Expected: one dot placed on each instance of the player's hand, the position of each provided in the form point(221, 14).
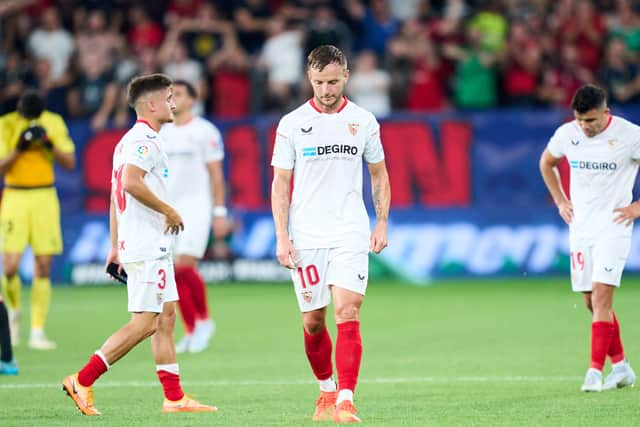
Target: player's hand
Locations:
point(113, 258)
point(378, 238)
point(173, 222)
point(628, 214)
point(285, 253)
point(565, 209)
point(221, 227)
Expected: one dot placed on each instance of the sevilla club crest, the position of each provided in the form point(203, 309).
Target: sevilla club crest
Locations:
point(307, 296)
point(353, 128)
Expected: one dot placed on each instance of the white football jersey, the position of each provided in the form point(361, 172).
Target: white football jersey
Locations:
point(603, 171)
point(325, 152)
point(190, 147)
point(141, 233)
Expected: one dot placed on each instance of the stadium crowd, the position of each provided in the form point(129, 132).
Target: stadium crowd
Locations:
point(247, 56)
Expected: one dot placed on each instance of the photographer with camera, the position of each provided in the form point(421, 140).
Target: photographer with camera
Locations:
point(32, 139)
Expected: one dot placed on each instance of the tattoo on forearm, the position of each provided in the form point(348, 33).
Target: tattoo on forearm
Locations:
point(380, 202)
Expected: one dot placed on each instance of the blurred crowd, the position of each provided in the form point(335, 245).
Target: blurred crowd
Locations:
point(247, 56)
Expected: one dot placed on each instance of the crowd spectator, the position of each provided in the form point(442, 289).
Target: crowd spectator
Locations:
point(369, 85)
point(247, 56)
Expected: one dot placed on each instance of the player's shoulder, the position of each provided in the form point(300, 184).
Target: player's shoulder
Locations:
point(569, 129)
point(204, 124)
point(300, 115)
point(623, 124)
point(9, 118)
point(354, 109)
point(140, 133)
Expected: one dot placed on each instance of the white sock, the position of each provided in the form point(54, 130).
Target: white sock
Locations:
point(619, 364)
point(169, 367)
point(328, 385)
point(344, 395)
point(37, 333)
point(101, 355)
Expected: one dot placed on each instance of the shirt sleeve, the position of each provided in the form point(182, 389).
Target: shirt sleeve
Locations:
point(284, 152)
point(4, 138)
point(141, 153)
point(373, 152)
point(557, 144)
point(59, 134)
point(635, 147)
point(212, 145)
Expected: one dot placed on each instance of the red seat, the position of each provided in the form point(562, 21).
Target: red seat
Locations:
point(97, 160)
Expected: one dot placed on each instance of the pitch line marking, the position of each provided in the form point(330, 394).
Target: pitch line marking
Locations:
point(382, 380)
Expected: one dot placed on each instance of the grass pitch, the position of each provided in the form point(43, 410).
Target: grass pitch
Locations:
point(460, 353)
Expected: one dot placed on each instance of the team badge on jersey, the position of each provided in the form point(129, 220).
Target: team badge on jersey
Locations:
point(353, 128)
point(307, 296)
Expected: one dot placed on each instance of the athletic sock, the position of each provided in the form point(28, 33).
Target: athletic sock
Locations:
point(169, 376)
point(40, 301)
point(616, 351)
point(185, 301)
point(601, 336)
point(96, 366)
point(318, 348)
point(344, 395)
point(348, 355)
point(6, 352)
point(11, 286)
point(198, 292)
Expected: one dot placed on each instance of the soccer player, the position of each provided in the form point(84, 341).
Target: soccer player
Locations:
point(142, 225)
point(197, 190)
point(323, 231)
point(603, 151)
point(8, 365)
point(31, 140)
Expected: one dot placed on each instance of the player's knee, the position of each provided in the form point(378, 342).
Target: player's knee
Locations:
point(10, 270)
point(347, 313)
point(314, 326)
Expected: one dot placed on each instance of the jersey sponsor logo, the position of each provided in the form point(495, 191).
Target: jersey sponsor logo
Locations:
point(323, 150)
point(142, 150)
point(353, 128)
point(602, 166)
point(306, 131)
point(575, 142)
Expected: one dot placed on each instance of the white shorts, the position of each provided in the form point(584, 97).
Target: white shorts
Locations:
point(150, 284)
point(318, 269)
point(600, 261)
point(195, 236)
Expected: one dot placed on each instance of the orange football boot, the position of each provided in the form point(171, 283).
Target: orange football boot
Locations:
point(325, 405)
point(345, 413)
point(186, 404)
point(81, 395)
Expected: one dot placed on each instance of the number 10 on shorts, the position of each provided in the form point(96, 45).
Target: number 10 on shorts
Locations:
point(311, 274)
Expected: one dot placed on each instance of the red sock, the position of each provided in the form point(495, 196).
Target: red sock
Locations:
point(348, 354)
point(318, 348)
point(92, 371)
point(199, 293)
point(171, 385)
point(616, 352)
point(185, 302)
point(601, 336)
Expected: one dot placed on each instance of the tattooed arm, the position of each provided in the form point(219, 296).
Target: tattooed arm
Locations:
point(280, 190)
point(381, 200)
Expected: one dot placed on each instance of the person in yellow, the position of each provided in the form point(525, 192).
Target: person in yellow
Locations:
point(31, 140)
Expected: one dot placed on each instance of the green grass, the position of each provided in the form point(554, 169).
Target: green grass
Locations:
point(468, 353)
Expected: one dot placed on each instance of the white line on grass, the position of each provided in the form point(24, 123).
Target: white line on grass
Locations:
point(392, 380)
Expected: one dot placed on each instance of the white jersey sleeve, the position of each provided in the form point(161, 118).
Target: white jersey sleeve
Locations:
point(557, 145)
point(284, 152)
point(142, 153)
point(373, 152)
point(212, 145)
point(635, 145)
